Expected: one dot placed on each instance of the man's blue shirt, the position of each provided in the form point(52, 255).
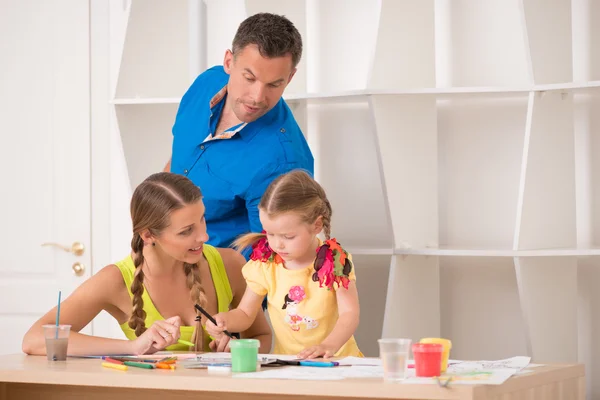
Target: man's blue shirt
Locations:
point(234, 169)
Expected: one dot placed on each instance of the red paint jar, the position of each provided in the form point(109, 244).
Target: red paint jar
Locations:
point(428, 359)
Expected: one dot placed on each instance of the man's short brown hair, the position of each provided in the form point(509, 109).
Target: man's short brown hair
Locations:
point(274, 35)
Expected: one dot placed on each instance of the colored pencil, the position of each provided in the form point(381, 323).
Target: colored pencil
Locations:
point(114, 366)
point(139, 364)
point(211, 319)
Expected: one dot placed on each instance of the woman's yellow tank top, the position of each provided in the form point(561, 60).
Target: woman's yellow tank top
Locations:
point(222, 289)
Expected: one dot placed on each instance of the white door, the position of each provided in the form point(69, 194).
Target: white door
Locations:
point(44, 158)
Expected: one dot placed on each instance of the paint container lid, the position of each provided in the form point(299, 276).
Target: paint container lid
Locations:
point(220, 368)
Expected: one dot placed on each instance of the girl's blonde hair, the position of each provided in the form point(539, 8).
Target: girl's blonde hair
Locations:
point(152, 203)
point(297, 192)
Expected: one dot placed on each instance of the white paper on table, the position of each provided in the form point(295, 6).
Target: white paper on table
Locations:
point(524, 372)
point(516, 363)
point(315, 373)
point(359, 371)
point(224, 357)
point(478, 372)
point(495, 377)
point(366, 361)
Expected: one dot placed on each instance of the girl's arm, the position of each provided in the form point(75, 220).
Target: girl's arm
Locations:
point(99, 292)
point(239, 319)
point(349, 315)
point(259, 327)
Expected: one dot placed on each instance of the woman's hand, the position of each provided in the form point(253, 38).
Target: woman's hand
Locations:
point(160, 335)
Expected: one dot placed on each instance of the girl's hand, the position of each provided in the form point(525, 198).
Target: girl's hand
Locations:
point(220, 344)
point(160, 335)
point(217, 330)
point(321, 350)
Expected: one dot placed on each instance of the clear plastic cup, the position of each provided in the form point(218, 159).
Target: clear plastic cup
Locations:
point(57, 341)
point(394, 356)
point(244, 355)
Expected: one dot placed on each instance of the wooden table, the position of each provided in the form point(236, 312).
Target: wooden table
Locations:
point(27, 377)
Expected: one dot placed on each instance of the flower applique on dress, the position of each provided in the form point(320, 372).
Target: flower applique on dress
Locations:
point(332, 265)
point(295, 295)
point(261, 251)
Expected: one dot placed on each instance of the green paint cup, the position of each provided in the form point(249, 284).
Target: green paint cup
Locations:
point(244, 355)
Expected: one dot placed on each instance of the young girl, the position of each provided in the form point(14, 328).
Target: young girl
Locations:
point(310, 285)
point(152, 292)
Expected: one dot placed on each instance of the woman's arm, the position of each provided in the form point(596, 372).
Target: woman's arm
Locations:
point(349, 315)
point(103, 291)
point(252, 323)
point(98, 293)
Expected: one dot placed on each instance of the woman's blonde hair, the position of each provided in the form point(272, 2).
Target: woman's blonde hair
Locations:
point(297, 192)
point(152, 203)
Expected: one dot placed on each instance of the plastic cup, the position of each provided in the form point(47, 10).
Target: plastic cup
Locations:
point(394, 357)
point(445, 353)
point(244, 355)
point(57, 341)
point(428, 359)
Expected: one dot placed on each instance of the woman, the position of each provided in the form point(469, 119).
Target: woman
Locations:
point(152, 292)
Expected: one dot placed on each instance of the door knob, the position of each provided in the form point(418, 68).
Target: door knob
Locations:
point(76, 248)
point(78, 268)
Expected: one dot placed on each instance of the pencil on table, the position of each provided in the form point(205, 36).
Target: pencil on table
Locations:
point(164, 366)
point(139, 364)
point(120, 367)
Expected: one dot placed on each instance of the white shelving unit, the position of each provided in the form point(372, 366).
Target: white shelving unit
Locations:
point(456, 139)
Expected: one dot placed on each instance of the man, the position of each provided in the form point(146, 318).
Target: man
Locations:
point(234, 134)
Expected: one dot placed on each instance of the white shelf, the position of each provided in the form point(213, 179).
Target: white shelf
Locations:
point(220, 31)
point(342, 60)
point(547, 211)
point(154, 61)
point(359, 95)
point(469, 126)
point(548, 31)
point(369, 252)
point(149, 100)
point(479, 43)
point(145, 132)
point(406, 59)
point(360, 218)
point(466, 252)
point(408, 152)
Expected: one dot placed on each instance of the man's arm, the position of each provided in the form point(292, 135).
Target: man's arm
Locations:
point(167, 166)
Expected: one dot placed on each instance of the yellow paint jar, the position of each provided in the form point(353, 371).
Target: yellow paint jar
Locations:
point(447, 344)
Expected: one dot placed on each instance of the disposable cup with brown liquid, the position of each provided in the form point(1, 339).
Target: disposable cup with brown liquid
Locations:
point(57, 341)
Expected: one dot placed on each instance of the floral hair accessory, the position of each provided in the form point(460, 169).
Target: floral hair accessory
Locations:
point(261, 251)
point(332, 265)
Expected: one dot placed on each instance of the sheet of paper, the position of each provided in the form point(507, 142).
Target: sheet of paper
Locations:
point(315, 373)
point(156, 356)
point(535, 365)
point(203, 360)
point(517, 363)
point(476, 372)
point(524, 371)
point(220, 357)
point(358, 371)
point(495, 377)
point(360, 361)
